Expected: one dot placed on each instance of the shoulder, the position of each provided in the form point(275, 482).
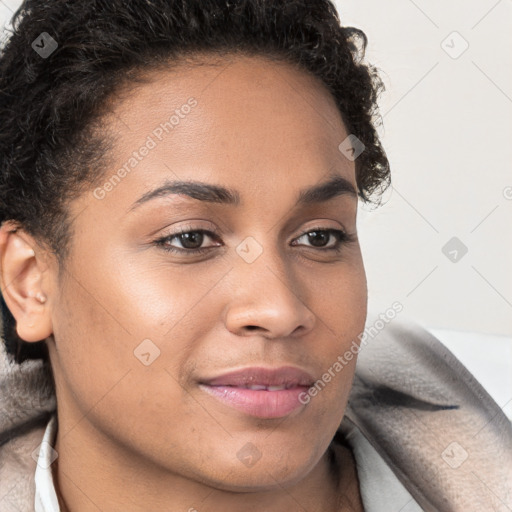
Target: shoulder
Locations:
point(27, 401)
point(431, 421)
point(17, 470)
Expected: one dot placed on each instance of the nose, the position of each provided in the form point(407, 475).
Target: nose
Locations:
point(267, 302)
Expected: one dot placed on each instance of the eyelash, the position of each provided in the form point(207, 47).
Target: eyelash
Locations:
point(343, 238)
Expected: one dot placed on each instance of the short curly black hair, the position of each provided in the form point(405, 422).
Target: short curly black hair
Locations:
point(52, 143)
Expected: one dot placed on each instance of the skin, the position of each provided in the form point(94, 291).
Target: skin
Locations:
point(136, 437)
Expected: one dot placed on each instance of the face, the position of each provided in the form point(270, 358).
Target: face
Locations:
point(166, 293)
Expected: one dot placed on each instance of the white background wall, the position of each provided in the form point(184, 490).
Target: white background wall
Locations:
point(447, 129)
point(448, 133)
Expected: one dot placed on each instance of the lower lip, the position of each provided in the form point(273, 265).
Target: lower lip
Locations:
point(262, 404)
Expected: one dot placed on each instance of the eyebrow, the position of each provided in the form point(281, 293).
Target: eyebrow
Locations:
point(335, 186)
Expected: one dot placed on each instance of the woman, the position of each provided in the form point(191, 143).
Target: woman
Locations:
point(180, 263)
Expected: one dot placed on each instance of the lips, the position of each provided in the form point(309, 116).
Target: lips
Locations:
point(285, 377)
point(260, 392)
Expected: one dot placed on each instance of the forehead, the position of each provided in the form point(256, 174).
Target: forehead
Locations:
point(252, 119)
point(231, 79)
point(252, 93)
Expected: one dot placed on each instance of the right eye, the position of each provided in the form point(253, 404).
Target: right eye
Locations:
point(190, 240)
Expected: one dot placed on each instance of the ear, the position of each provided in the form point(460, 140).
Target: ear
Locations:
point(23, 280)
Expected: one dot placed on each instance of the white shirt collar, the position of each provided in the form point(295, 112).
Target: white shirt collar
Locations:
point(380, 489)
point(45, 496)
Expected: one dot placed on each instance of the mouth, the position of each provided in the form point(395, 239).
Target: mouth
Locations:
point(261, 392)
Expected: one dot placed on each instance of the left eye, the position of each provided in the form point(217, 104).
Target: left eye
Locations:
point(319, 237)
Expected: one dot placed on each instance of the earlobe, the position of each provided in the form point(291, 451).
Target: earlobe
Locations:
point(21, 279)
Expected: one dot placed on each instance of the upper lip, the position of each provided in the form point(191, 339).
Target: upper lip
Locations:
point(288, 376)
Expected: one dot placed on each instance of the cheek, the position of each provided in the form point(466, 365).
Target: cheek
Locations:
point(339, 299)
point(342, 308)
point(115, 365)
point(108, 328)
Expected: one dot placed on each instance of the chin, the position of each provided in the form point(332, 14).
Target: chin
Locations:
point(264, 479)
point(283, 466)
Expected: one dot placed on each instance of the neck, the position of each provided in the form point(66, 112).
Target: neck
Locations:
point(91, 475)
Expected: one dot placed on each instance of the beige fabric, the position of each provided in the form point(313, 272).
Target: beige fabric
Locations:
point(433, 423)
point(27, 400)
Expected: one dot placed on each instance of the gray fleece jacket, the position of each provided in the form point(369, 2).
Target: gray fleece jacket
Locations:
point(438, 430)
